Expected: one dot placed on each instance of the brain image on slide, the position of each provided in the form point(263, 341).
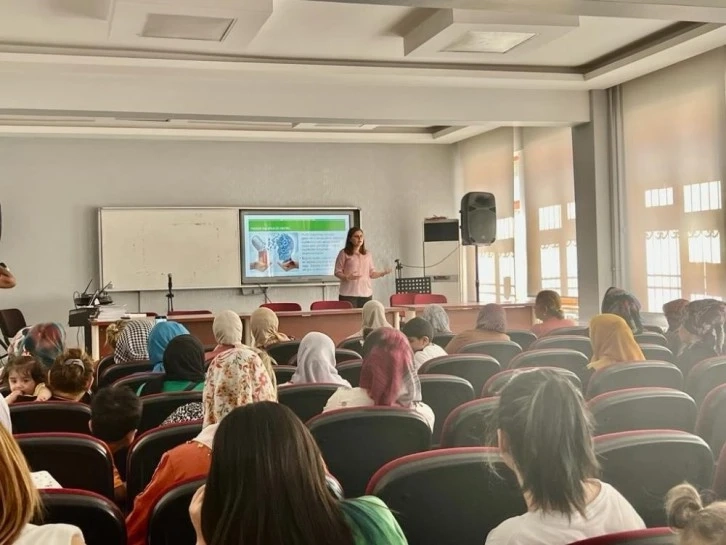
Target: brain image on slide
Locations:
point(281, 245)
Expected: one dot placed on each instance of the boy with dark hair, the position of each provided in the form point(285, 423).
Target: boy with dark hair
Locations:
point(115, 417)
point(420, 334)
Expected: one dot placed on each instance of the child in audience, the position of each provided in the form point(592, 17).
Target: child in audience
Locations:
point(115, 417)
point(265, 495)
point(612, 341)
point(159, 338)
point(491, 325)
point(544, 434)
point(420, 333)
point(624, 304)
point(316, 362)
point(548, 308)
point(702, 333)
point(693, 523)
point(25, 377)
point(71, 376)
point(437, 317)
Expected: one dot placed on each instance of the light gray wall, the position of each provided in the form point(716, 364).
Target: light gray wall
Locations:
point(50, 190)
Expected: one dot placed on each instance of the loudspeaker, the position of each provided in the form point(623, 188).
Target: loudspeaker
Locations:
point(478, 218)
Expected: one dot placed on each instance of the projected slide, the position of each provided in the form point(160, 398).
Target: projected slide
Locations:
point(278, 247)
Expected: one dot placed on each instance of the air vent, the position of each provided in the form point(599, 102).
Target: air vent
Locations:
point(186, 27)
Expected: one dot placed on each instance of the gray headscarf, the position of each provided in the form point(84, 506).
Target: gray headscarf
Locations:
point(316, 361)
point(437, 317)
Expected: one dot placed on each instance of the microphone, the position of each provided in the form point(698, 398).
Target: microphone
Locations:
point(170, 283)
point(169, 295)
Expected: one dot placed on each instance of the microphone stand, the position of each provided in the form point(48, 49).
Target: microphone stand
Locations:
point(169, 297)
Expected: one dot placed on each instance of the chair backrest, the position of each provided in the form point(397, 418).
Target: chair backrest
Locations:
point(522, 337)
point(283, 352)
point(306, 400)
point(651, 337)
point(657, 352)
point(475, 368)
point(654, 328)
point(643, 409)
point(284, 373)
point(578, 331)
point(495, 384)
point(502, 351)
point(100, 520)
point(350, 371)
point(282, 307)
point(354, 343)
point(449, 496)
point(442, 339)
point(402, 299)
point(565, 358)
point(705, 376)
point(157, 407)
point(11, 321)
point(711, 423)
point(635, 375)
point(169, 522)
point(121, 370)
point(644, 465)
point(571, 342)
point(103, 364)
point(50, 416)
point(357, 442)
point(429, 299)
point(74, 460)
point(470, 424)
point(648, 536)
point(331, 305)
point(443, 393)
point(189, 313)
point(137, 380)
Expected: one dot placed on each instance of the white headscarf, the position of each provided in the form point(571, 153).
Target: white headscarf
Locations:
point(316, 361)
point(227, 328)
point(374, 317)
point(5, 415)
point(437, 317)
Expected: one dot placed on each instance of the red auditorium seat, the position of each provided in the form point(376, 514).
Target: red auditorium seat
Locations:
point(350, 371)
point(475, 368)
point(443, 393)
point(398, 299)
point(306, 400)
point(578, 331)
point(502, 351)
point(651, 337)
point(495, 384)
point(644, 465)
point(429, 299)
point(282, 307)
point(656, 352)
point(564, 358)
point(157, 407)
point(173, 313)
point(120, 370)
point(522, 337)
point(570, 342)
point(331, 305)
point(635, 375)
point(643, 409)
point(100, 520)
point(147, 450)
point(341, 356)
point(354, 343)
point(283, 352)
point(711, 423)
point(449, 496)
point(169, 523)
point(284, 373)
point(443, 339)
point(74, 460)
point(649, 536)
point(357, 442)
point(50, 416)
point(137, 380)
point(705, 376)
point(470, 425)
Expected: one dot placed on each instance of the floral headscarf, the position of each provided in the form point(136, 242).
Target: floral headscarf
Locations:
point(388, 372)
point(675, 312)
point(706, 319)
point(492, 318)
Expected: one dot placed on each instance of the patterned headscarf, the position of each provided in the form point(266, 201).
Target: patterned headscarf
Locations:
point(159, 337)
point(236, 377)
point(706, 319)
point(675, 312)
point(612, 342)
point(264, 324)
point(388, 373)
point(624, 304)
point(437, 317)
point(492, 318)
point(316, 361)
point(45, 342)
point(132, 344)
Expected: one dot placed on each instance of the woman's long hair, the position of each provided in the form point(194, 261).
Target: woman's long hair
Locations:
point(266, 484)
point(349, 248)
point(18, 495)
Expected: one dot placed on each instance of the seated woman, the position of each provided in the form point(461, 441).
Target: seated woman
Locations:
point(548, 308)
point(437, 317)
point(674, 312)
point(693, 523)
point(264, 325)
point(612, 342)
point(44, 342)
point(624, 304)
point(296, 506)
point(234, 378)
point(160, 336)
point(132, 341)
point(374, 317)
point(71, 376)
point(184, 368)
point(387, 377)
point(545, 437)
point(491, 325)
point(702, 333)
point(316, 362)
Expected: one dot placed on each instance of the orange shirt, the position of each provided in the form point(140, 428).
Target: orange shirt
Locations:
point(473, 336)
point(550, 325)
point(185, 462)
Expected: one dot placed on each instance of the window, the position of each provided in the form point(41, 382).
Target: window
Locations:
point(659, 197)
point(550, 263)
point(505, 228)
point(702, 197)
point(571, 268)
point(571, 210)
point(704, 247)
point(662, 257)
point(487, 271)
point(550, 217)
point(507, 290)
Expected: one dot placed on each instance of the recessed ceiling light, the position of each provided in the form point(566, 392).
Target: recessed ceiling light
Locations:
point(186, 27)
point(488, 42)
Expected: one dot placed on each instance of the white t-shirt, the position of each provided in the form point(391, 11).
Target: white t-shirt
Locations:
point(48, 534)
point(430, 352)
point(608, 513)
point(347, 398)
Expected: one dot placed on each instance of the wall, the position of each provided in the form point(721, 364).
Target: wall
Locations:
point(50, 190)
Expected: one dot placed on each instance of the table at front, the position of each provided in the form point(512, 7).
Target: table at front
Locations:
point(338, 324)
point(463, 316)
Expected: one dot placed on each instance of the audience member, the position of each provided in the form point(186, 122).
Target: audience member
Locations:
point(420, 335)
point(693, 523)
point(612, 342)
point(115, 418)
point(113, 331)
point(316, 362)
point(624, 304)
point(5, 415)
point(548, 308)
point(373, 317)
point(265, 495)
point(437, 317)
point(264, 324)
point(491, 325)
point(45, 342)
point(701, 333)
point(544, 433)
point(25, 377)
point(132, 343)
point(20, 502)
point(71, 376)
point(159, 338)
point(387, 377)
point(184, 368)
point(674, 312)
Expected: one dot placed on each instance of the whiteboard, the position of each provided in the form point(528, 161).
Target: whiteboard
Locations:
point(139, 247)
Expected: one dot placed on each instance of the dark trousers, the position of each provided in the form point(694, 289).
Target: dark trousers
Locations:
point(357, 302)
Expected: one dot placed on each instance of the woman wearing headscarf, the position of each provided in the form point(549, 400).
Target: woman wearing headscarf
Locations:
point(491, 325)
point(437, 317)
point(236, 377)
point(675, 312)
point(624, 304)
point(264, 325)
point(702, 333)
point(5, 415)
point(132, 343)
point(548, 308)
point(613, 342)
point(387, 377)
point(45, 342)
point(184, 368)
point(374, 317)
point(159, 338)
point(316, 362)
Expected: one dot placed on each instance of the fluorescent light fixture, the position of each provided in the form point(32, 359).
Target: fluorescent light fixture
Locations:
point(475, 41)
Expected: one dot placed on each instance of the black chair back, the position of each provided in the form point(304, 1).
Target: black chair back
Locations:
point(502, 351)
point(651, 337)
point(283, 373)
point(137, 380)
point(653, 328)
point(103, 364)
point(635, 375)
point(443, 393)
point(11, 321)
point(569, 342)
point(355, 344)
point(564, 358)
point(341, 356)
point(474, 368)
point(578, 330)
point(120, 370)
point(169, 523)
point(306, 400)
point(522, 337)
point(705, 376)
point(442, 339)
point(157, 407)
point(711, 423)
point(50, 416)
point(350, 371)
point(471, 425)
point(283, 352)
point(656, 352)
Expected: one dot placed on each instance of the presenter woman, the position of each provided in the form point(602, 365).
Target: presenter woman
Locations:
point(354, 268)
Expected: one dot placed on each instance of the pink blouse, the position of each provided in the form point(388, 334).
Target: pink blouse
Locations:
point(357, 264)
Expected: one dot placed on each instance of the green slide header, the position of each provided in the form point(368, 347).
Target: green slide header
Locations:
point(297, 225)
